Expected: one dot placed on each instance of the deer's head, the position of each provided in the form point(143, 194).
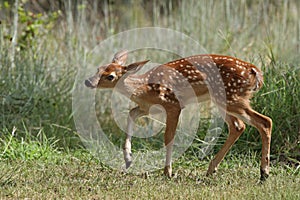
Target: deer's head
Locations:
point(108, 75)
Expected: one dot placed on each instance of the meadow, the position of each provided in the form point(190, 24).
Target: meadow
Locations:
point(41, 54)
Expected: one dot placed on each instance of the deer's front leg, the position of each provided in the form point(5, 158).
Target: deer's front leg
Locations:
point(133, 115)
point(171, 124)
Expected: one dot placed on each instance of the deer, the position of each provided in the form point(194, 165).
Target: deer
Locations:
point(210, 76)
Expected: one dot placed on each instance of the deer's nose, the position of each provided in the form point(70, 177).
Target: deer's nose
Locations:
point(88, 83)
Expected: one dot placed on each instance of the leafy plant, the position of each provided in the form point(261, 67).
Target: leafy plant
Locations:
point(30, 25)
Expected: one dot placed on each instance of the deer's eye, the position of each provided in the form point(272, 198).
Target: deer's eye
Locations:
point(110, 77)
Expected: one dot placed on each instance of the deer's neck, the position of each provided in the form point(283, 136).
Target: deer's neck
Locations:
point(133, 84)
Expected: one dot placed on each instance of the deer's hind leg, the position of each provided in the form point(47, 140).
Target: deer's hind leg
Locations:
point(264, 126)
point(236, 127)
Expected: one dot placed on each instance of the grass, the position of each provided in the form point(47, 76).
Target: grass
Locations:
point(41, 155)
point(78, 175)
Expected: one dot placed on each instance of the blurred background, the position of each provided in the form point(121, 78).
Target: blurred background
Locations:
point(43, 42)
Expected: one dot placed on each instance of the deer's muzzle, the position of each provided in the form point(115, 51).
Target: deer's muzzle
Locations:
point(91, 82)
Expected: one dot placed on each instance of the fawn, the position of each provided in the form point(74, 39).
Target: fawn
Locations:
point(226, 76)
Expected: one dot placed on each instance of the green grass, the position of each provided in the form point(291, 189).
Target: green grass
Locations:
point(41, 155)
point(78, 175)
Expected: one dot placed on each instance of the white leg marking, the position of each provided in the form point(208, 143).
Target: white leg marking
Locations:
point(133, 115)
point(169, 149)
point(127, 144)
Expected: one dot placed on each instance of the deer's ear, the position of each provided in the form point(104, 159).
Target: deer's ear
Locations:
point(120, 57)
point(136, 66)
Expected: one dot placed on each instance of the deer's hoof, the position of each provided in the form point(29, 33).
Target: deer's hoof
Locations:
point(264, 174)
point(211, 170)
point(168, 171)
point(128, 163)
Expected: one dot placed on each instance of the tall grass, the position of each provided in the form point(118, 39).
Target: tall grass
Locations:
point(36, 94)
